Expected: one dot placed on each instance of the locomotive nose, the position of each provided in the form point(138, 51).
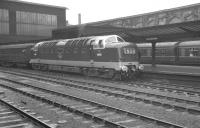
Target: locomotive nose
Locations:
point(141, 67)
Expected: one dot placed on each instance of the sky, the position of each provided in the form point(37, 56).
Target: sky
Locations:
point(98, 10)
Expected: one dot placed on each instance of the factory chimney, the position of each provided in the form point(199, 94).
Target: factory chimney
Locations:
point(79, 18)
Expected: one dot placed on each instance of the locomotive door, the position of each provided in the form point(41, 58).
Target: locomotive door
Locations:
point(91, 52)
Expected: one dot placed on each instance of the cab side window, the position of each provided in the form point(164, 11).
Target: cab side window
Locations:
point(100, 44)
point(120, 39)
point(111, 40)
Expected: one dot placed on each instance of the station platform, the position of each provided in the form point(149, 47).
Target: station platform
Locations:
point(173, 69)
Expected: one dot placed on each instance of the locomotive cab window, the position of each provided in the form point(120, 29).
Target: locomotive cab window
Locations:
point(120, 39)
point(111, 40)
point(100, 44)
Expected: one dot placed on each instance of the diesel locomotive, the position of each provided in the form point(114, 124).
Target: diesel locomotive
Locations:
point(102, 56)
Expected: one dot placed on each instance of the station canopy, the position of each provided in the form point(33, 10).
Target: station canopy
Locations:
point(177, 24)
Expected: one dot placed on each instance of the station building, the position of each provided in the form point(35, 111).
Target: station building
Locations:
point(22, 21)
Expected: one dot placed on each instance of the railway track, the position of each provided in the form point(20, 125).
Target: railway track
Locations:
point(106, 115)
point(116, 93)
point(129, 93)
point(186, 104)
point(164, 86)
point(14, 116)
point(161, 85)
point(170, 84)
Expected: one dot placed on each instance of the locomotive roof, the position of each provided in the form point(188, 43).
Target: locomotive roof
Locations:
point(85, 41)
point(16, 46)
point(189, 43)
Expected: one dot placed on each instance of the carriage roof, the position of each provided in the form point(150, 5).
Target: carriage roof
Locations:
point(16, 46)
point(159, 44)
point(190, 43)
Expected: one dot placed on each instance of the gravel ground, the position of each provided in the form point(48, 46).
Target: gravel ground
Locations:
point(57, 118)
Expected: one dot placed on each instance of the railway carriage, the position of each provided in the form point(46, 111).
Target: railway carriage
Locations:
point(181, 53)
point(189, 53)
point(165, 52)
point(145, 52)
point(103, 56)
point(16, 54)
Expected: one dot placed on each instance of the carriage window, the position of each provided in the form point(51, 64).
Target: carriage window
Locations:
point(143, 52)
point(161, 52)
point(192, 52)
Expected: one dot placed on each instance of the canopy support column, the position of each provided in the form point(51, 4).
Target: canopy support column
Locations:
point(153, 53)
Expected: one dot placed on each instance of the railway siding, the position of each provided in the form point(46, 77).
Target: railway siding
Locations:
point(122, 104)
